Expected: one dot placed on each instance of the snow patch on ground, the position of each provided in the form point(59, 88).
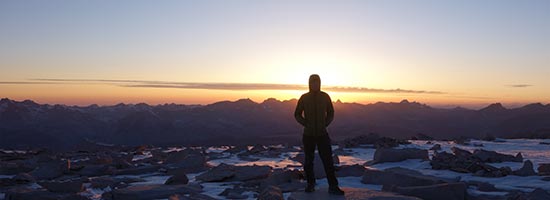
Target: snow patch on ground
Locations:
point(93, 193)
point(146, 154)
point(277, 163)
point(531, 149)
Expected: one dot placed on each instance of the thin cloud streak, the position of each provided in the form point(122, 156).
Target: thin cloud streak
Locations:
point(520, 85)
point(229, 86)
point(25, 82)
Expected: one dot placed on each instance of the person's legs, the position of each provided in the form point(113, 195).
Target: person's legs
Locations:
point(309, 152)
point(325, 152)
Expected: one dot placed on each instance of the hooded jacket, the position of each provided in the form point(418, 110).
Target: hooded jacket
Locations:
point(317, 109)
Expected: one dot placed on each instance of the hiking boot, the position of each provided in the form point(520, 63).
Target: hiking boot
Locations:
point(335, 190)
point(310, 188)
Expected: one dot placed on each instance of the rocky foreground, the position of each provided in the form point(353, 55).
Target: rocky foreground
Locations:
point(264, 172)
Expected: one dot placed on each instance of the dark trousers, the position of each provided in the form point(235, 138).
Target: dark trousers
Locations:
point(325, 152)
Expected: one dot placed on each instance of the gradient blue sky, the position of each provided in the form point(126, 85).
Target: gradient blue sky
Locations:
point(473, 52)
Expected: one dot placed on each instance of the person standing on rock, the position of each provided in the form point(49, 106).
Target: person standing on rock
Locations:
point(318, 113)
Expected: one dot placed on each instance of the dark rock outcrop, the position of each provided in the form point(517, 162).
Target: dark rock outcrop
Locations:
point(94, 170)
point(371, 140)
point(177, 179)
point(447, 191)
point(23, 178)
point(350, 194)
point(525, 170)
point(436, 147)
point(397, 155)
point(49, 170)
point(483, 186)
point(399, 177)
point(234, 193)
point(138, 170)
point(537, 194)
point(219, 173)
point(145, 192)
point(224, 172)
point(286, 180)
point(191, 163)
point(30, 194)
point(466, 162)
point(350, 170)
point(544, 169)
point(63, 186)
point(494, 157)
point(271, 193)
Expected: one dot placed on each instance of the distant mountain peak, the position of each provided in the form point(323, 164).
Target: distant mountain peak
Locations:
point(238, 103)
point(245, 100)
point(534, 105)
point(459, 108)
point(93, 106)
point(495, 107)
point(5, 100)
point(271, 100)
point(120, 105)
point(30, 103)
point(404, 101)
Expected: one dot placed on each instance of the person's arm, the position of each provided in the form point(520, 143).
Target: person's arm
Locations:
point(330, 111)
point(298, 112)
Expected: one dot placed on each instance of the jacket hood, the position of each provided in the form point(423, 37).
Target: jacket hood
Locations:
point(314, 83)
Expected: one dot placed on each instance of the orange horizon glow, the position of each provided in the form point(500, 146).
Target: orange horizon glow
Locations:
point(100, 94)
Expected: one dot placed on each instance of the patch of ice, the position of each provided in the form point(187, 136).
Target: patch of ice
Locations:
point(146, 154)
point(358, 156)
point(281, 162)
point(286, 195)
point(250, 194)
point(79, 160)
point(217, 149)
point(151, 179)
point(192, 177)
point(33, 186)
point(213, 189)
point(13, 151)
point(7, 176)
point(93, 193)
point(475, 192)
point(171, 149)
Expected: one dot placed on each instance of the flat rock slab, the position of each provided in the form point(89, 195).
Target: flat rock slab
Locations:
point(351, 194)
point(155, 191)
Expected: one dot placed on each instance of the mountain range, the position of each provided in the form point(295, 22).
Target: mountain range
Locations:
point(27, 124)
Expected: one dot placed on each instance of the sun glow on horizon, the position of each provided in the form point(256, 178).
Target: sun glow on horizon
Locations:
point(421, 47)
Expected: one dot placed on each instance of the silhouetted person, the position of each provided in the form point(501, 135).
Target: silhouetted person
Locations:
point(318, 114)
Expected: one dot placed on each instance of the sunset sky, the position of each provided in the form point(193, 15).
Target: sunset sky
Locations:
point(442, 53)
